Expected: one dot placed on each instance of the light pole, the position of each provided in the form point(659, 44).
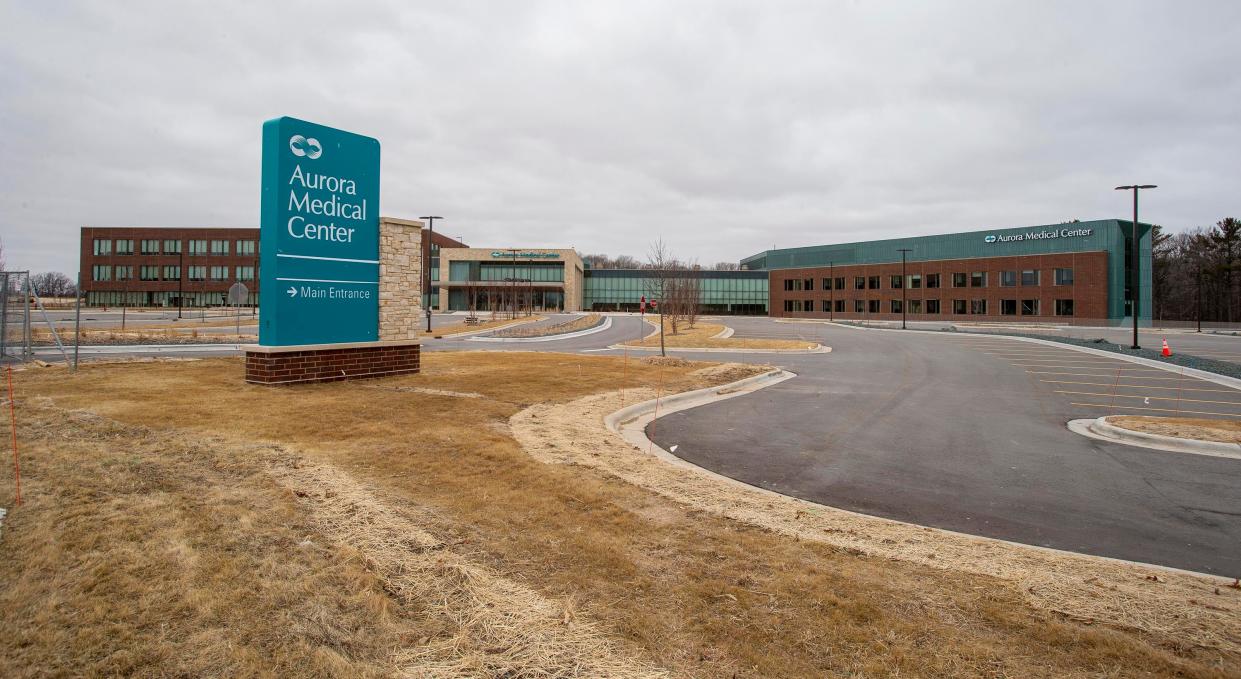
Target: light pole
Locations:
point(904, 286)
point(1134, 293)
point(426, 263)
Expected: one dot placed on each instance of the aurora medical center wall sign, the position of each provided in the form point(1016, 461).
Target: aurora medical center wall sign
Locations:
point(319, 241)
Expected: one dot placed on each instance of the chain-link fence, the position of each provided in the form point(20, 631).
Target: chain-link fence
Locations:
point(15, 294)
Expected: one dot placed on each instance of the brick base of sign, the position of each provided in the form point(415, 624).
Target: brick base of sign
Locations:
point(331, 362)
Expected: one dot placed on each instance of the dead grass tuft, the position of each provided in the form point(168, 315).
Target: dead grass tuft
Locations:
point(1224, 431)
point(703, 336)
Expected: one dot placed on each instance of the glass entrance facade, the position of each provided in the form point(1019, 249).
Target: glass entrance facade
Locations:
point(723, 292)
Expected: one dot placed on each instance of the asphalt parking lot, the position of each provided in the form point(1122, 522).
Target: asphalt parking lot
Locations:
point(968, 433)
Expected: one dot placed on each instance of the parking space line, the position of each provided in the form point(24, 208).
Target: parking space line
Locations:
point(1143, 386)
point(1104, 374)
point(1162, 410)
point(1153, 398)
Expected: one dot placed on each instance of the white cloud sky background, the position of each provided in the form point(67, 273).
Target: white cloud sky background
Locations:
point(724, 128)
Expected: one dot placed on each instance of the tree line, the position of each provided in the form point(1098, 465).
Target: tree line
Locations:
point(1197, 269)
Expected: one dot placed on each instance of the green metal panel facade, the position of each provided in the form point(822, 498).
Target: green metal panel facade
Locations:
point(1106, 235)
point(722, 291)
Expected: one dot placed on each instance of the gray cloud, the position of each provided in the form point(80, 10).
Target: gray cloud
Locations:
point(724, 128)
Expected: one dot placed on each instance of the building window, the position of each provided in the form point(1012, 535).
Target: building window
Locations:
point(873, 306)
point(103, 246)
point(827, 284)
point(197, 247)
point(915, 281)
point(958, 280)
point(896, 306)
point(978, 307)
point(808, 284)
point(245, 273)
point(915, 306)
point(1008, 279)
point(932, 306)
point(859, 306)
point(219, 273)
point(788, 304)
point(840, 306)
point(124, 246)
point(245, 247)
point(978, 279)
point(896, 282)
point(958, 306)
point(872, 282)
point(172, 273)
point(1029, 277)
point(1008, 307)
point(1029, 307)
point(172, 247)
point(101, 272)
point(859, 283)
point(1065, 277)
point(1064, 307)
point(150, 246)
point(219, 247)
point(124, 273)
point(791, 284)
point(932, 280)
point(827, 305)
point(198, 273)
point(148, 272)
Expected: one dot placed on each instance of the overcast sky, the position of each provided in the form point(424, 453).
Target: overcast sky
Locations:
point(725, 128)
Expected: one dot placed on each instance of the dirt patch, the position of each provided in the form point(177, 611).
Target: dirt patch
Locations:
point(584, 323)
point(1223, 431)
point(1179, 609)
point(731, 372)
point(479, 327)
point(703, 336)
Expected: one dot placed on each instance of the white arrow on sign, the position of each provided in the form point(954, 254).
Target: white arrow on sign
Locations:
point(292, 291)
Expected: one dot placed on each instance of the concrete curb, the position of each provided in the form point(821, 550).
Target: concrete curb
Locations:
point(1103, 430)
point(1222, 380)
point(818, 349)
point(724, 334)
point(607, 323)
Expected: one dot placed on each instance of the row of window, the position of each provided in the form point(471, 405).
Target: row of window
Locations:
point(1008, 307)
point(107, 272)
point(155, 246)
point(976, 279)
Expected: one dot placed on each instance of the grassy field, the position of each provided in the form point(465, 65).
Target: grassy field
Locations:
point(179, 522)
point(702, 336)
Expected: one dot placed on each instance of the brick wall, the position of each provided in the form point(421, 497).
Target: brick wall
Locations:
point(400, 278)
point(1089, 290)
point(285, 365)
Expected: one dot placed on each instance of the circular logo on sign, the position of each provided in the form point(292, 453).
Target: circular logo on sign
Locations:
point(990, 239)
point(304, 146)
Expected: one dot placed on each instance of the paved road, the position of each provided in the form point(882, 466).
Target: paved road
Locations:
point(969, 434)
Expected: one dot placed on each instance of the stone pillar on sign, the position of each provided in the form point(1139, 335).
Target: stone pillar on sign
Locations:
point(400, 278)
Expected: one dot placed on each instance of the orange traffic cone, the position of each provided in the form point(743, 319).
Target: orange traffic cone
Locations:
point(1166, 351)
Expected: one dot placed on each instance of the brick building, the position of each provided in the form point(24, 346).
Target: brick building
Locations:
point(1074, 273)
point(165, 266)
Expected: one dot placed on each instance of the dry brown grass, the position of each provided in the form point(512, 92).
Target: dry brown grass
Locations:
point(583, 323)
point(139, 336)
point(481, 326)
point(702, 336)
point(1225, 431)
point(165, 537)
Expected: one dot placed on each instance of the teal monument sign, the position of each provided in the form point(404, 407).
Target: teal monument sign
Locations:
point(319, 242)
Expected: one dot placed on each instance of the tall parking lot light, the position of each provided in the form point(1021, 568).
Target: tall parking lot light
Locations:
point(426, 265)
point(904, 286)
point(1134, 294)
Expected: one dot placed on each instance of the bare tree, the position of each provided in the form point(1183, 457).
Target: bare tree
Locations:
point(52, 284)
point(725, 266)
point(2, 262)
point(626, 262)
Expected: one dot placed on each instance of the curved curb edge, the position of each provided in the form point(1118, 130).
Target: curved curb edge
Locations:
point(1103, 430)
